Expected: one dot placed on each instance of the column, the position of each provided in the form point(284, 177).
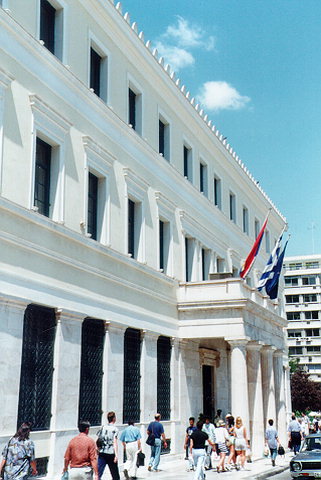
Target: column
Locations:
point(268, 384)
point(11, 334)
point(281, 423)
point(148, 385)
point(65, 386)
point(239, 380)
point(255, 398)
point(175, 397)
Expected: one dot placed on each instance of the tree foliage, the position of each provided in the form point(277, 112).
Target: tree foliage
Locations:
point(306, 395)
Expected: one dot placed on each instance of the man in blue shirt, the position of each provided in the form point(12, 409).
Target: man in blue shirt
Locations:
point(158, 430)
point(130, 437)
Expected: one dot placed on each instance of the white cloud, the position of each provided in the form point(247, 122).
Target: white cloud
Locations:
point(176, 57)
point(217, 96)
point(188, 36)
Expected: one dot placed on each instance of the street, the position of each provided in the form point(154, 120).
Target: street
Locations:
point(283, 476)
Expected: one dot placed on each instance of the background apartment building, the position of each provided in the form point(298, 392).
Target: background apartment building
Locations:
point(302, 276)
point(121, 206)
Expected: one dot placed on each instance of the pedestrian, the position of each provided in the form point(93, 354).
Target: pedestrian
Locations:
point(190, 429)
point(231, 441)
point(241, 442)
point(157, 429)
point(295, 434)
point(18, 455)
point(217, 417)
point(130, 437)
point(221, 437)
point(81, 455)
point(108, 447)
point(272, 441)
point(209, 428)
point(197, 449)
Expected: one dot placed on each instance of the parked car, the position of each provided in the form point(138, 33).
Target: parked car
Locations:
point(307, 463)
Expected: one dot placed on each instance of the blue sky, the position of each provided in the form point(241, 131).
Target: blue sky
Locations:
point(256, 67)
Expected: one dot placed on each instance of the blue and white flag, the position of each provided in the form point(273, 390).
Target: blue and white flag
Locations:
point(271, 274)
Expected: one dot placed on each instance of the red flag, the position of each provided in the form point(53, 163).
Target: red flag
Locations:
point(254, 251)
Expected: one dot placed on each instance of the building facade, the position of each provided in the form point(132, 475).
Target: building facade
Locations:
point(302, 276)
point(125, 217)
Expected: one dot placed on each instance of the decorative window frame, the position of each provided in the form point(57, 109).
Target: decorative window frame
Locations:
point(136, 189)
point(60, 27)
point(105, 55)
point(166, 212)
point(5, 82)
point(100, 162)
point(51, 127)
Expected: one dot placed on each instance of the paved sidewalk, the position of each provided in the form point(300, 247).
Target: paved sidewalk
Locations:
point(176, 469)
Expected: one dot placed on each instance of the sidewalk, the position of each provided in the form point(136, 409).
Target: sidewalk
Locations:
point(176, 469)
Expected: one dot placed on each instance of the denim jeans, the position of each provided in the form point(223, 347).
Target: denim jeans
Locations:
point(273, 452)
point(199, 459)
point(155, 454)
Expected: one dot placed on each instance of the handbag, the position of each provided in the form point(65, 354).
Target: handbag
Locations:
point(140, 459)
point(151, 438)
point(266, 452)
point(65, 475)
point(281, 450)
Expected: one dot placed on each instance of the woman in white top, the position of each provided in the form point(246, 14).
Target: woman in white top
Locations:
point(221, 436)
point(241, 442)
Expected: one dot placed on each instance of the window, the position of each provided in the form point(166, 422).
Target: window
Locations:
point(313, 315)
point(91, 370)
point(314, 366)
point(220, 265)
point(294, 333)
point(39, 328)
point(164, 245)
point(292, 298)
point(206, 257)
point(313, 348)
point(245, 220)
point(188, 163)
point(135, 109)
point(98, 69)
point(203, 178)
point(51, 27)
point(164, 138)
point(188, 258)
point(293, 315)
point(267, 242)
point(309, 297)
point(217, 193)
point(232, 207)
point(291, 281)
point(295, 350)
point(42, 177)
point(92, 206)
point(309, 280)
point(131, 403)
point(256, 228)
point(311, 265)
point(312, 332)
point(164, 377)
point(134, 227)
point(95, 71)
point(295, 266)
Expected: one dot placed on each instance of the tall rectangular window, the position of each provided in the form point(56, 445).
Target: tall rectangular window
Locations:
point(91, 371)
point(267, 242)
point(188, 163)
point(39, 328)
point(245, 220)
point(203, 178)
point(131, 400)
point(132, 108)
point(95, 71)
point(232, 207)
point(164, 377)
point(47, 25)
point(217, 193)
point(164, 245)
point(92, 205)
point(205, 253)
point(131, 228)
point(188, 259)
point(163, 138)
point(42, 177)
point(256, 228)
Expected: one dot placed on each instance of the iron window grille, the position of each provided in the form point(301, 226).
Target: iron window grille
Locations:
point(132, 353)
point(37, 367)
point(164, 377)
point(91, 371)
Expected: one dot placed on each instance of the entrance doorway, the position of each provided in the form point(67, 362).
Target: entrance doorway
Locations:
point(208, 391)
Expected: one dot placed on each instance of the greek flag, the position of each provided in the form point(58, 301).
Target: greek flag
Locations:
point(271, 274)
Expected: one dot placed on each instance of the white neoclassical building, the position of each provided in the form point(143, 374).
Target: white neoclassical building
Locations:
point(125, 218)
